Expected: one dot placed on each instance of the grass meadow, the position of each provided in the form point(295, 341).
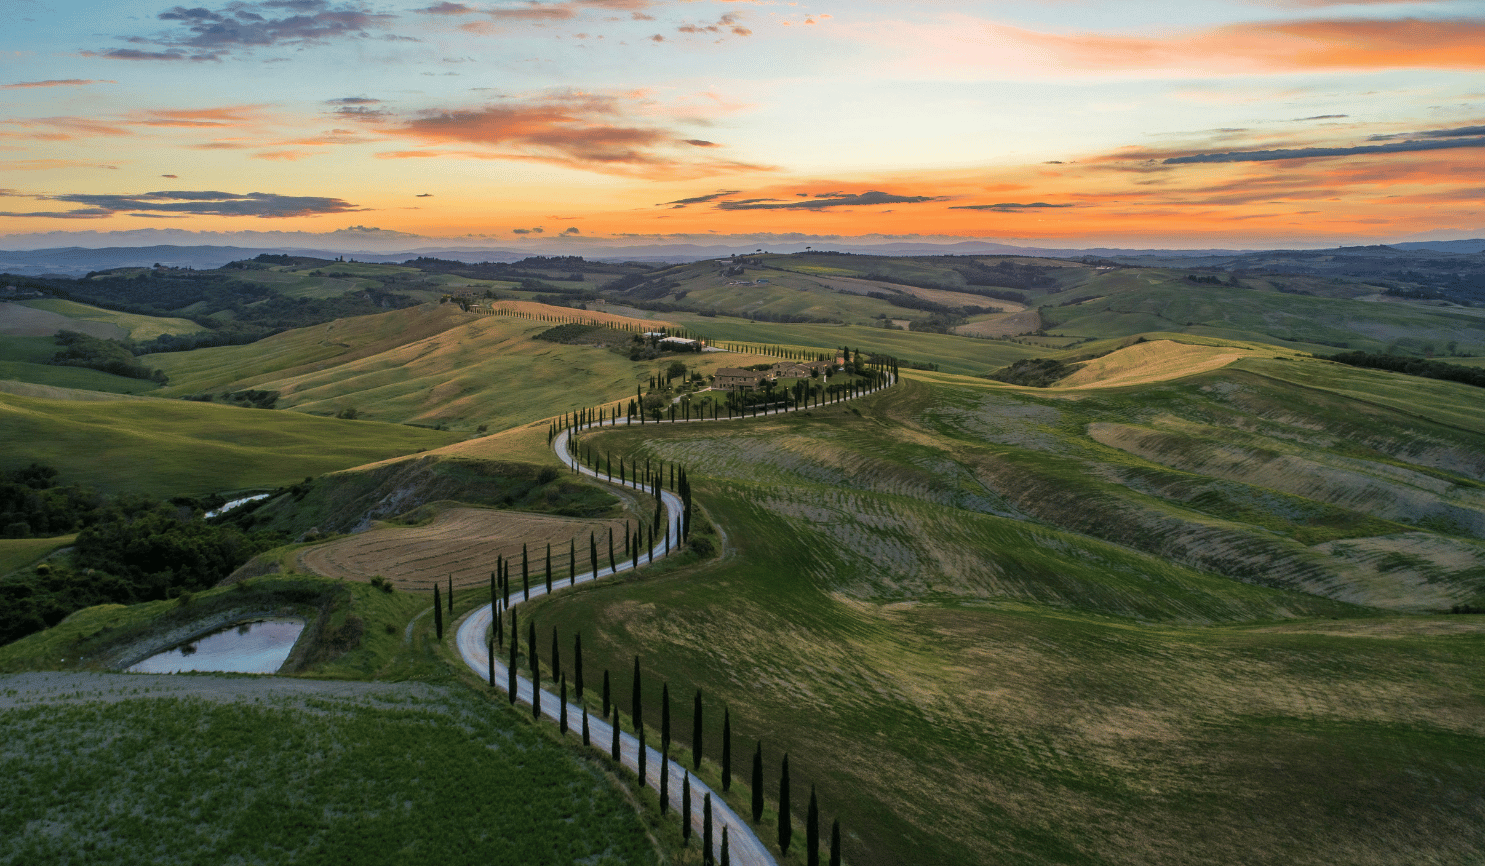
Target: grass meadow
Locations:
point(969, 673)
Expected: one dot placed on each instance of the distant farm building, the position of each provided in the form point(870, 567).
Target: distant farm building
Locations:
point(737, 379)
point(680, 344)
point(799, 369)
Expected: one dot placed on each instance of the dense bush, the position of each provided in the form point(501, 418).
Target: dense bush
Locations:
point(1413, 367)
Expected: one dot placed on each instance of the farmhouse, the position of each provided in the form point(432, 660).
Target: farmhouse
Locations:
point(737, 379)
point(680, 344)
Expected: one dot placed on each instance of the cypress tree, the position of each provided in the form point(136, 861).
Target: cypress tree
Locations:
point(585, 727)
point(726, 750)
point(686, 809)
point(572, 562)
point(611, 568)
point(665, 715)
point(525, 574)
point(639, 731)
point(535, 661)
point(437, 612)
point(593, 553)
point(605, 693)
point(835, 842)
point(706, 829)
point(549, 568)
point(577, 665)
point(636, 707)
point(499, 627)
point(492, 661)
point(726, 859)
point(696, 733)
point(758, 783)
point(613, 749)
point(786, 822)
point(494, 594)
point(664, 780)
point(510, 671)
point(451, 593)
point(562, 712)
point(812, 832)
point(556, 654)
point(635, 548)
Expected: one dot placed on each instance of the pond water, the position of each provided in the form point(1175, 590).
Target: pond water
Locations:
point(258, 647)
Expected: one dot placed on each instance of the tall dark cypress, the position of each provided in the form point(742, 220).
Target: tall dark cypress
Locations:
point(665, 715)
point(510, 671)
point(556, 654)
point(605, 693)
point(533, 659)
point(726, 750)
point(613, 749)
point(549, 568)
point(812, 831)
point(572, 562)
point(696, 733)
point(585, 727)
point(686, 809)
point(664, 780)
point(786, 821)
point(639, 731)
point(835, 842)
point(451, 593)
point(525, 573)
point(611, 568)
point(577, 665)
point(491, 659)
point(437, 612)
point(726, 858)
point(636, 705)
point(706, 829)
point(593, 553)
point(562, 712)
point(758, 783)
point(494, 594)
point(499, 627)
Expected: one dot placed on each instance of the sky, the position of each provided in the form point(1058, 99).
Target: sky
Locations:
point(578, 123)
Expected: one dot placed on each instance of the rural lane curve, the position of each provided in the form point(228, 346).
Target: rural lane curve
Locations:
point(744, 846)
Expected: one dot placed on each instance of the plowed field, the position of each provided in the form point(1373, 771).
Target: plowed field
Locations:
point(462, 542)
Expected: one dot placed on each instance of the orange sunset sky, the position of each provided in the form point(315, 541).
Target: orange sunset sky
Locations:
point(583, 123)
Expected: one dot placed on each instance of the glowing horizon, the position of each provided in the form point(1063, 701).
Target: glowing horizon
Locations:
point(1292, 122)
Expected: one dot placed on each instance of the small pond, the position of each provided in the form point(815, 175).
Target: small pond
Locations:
point(258, 647)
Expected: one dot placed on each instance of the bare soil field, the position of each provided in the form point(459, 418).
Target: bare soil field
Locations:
point(462, 542)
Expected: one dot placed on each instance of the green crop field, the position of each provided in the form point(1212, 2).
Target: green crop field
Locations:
point(176, 447)
point(137, 327)
point(20, 552)
point(999, 625)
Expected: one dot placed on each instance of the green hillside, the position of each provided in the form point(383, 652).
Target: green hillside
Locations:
point(1071, 619)
point(177, 447)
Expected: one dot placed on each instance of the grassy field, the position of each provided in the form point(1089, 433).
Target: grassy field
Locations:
point(137, 327)
point(24, 359)
point(940, 608)
point(176, 447)
point(21, 552)
point(428, 366)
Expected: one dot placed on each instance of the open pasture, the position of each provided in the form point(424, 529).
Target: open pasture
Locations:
point(461, 543)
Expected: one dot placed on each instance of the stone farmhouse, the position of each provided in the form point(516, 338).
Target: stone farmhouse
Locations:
point(799, 369)
point(738, 379)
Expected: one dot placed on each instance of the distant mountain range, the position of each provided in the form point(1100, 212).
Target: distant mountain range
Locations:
point(76, 261)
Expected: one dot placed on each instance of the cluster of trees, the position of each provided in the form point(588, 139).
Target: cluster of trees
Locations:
point(130, 549)
point(1035, 372)
point(110, 356)
point(1413, 367)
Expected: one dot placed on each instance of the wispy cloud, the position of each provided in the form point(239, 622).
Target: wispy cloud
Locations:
point(871, 197)
point(190, 203)
point(198, 33)
point(1009, 206)
point(56, 82)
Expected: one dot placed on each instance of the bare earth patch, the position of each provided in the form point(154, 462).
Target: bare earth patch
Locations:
point(462, 543)
point(1155, 361)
